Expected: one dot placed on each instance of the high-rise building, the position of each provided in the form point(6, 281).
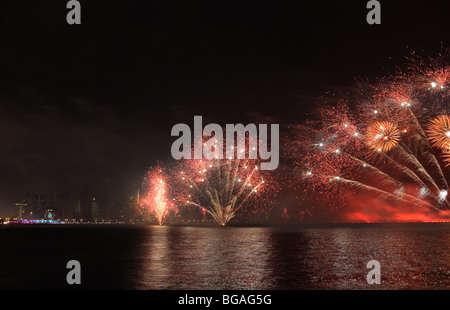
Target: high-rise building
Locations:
point(63, 205)
point(94, 210)
point(84, 203)
point(37, 204)
point(22, 209)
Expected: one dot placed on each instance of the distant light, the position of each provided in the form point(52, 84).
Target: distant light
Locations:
point(433, 84)
point(447, 134)
point(375, 111)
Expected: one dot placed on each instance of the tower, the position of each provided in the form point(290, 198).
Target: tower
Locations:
point(21, 205)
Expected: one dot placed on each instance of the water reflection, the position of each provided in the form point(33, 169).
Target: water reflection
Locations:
point(205, 258)
point(332, 257)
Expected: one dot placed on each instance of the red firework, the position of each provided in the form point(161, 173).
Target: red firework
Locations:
point(375, 143)
point(224, 187)
point(155, 201)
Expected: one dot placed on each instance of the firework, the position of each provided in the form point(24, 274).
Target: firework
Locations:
point(383, 136)
point(155, 202)
point(439, 132)
point(223, 187)
point(389, 140)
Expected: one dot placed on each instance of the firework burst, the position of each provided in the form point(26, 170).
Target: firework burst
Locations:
point(382, 136)
point(382, 141)
point(155, 202)
point(225, 186)
point(439, 132)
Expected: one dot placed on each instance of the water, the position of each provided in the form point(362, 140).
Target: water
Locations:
point(412, 256)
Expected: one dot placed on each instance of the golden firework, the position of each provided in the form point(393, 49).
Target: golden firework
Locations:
point(382, 136)
point(439, 132)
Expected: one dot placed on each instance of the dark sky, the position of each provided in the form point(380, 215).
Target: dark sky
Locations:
point(94, 103)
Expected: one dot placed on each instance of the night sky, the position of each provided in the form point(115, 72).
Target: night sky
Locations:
point(94, 103)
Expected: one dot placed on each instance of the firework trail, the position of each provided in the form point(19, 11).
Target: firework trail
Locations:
point(155, 202)
point(223, 187)
point(389, 140)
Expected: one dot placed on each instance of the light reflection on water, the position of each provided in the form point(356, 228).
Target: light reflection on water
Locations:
point(412, 256)
point(204, 258)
